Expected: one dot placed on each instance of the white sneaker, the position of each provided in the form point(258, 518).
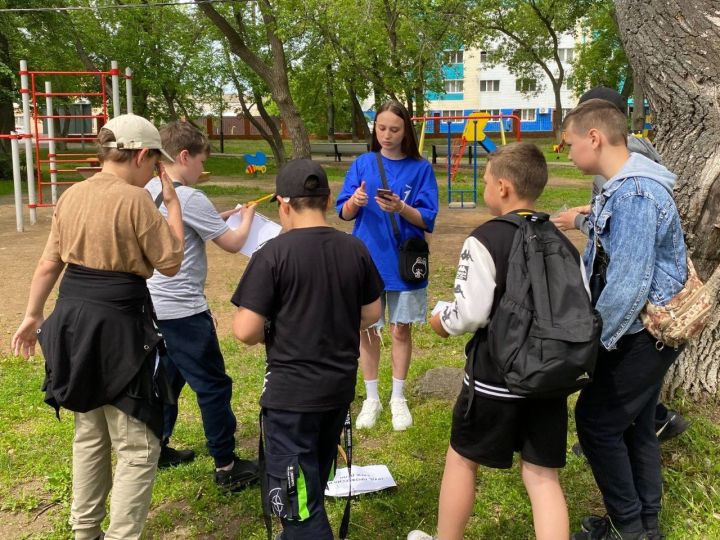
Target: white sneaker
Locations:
point(401, 417)
point(419, 535)
point(368, 414)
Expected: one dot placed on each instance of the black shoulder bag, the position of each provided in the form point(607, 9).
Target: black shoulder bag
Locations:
point(414, 252)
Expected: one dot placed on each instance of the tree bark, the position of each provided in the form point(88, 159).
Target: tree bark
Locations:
point(358, 118)
point(638, 114)
point(674, 48)
point(170, 102)
point(275, 139)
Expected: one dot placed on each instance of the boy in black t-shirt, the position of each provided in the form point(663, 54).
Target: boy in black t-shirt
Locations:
point(305, 294)
point(489, 428)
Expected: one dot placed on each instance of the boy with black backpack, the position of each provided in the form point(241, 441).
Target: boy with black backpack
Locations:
point(497, 413)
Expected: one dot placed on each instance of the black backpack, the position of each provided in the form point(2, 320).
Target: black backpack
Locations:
point(544, 334)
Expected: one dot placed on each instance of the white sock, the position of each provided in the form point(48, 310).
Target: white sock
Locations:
point(398, 390)
point(371, 389)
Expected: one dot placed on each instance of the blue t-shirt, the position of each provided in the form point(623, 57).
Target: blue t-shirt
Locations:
point(414, 181)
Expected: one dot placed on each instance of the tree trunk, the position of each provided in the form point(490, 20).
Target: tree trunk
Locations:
point(330, 95)
point(674, 48)
point(275, 139)
point(170, 102)
point(638, 114)
point(419, 100)
point(7, 115)
point(557, 114)
point(359, 123)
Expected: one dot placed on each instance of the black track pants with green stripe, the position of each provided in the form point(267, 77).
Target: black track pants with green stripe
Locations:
point(300, 455)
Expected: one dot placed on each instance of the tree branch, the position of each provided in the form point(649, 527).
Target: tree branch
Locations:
point(238, 43)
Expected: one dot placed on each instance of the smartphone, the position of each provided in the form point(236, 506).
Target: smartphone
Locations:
point(384, 193)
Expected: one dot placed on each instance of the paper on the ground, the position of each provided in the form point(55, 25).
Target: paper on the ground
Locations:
point(439, 307)
point(261, 230)
point(364, 480)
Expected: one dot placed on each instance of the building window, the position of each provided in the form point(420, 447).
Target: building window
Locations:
point(492, 112)
point(453, 57)
point(487, 56)
point(525, 85)
point(527, 115)
point(451, 113)
point(568, 82)
point(489, 86)
point(566, 55)
point(453, 86)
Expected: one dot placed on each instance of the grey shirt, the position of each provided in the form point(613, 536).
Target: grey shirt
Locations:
point(183, 294)
point(635, 144)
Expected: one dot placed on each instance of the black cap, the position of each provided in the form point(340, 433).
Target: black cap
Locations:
point(606, 94)
point(302, 178)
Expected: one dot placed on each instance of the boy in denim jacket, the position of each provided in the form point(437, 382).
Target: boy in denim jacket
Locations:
point(636, 253)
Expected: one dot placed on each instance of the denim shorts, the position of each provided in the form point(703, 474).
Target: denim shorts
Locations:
point(404, 307)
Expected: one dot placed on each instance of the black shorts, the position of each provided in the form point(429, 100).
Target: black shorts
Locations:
point(495, 429)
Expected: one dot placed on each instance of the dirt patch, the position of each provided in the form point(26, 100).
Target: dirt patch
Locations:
point(33, 513)
point(19, 253)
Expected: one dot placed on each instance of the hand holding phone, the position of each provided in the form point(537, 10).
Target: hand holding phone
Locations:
point(384, 193)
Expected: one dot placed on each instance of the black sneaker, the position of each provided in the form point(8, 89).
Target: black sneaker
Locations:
point(654, 534)
point(601, 528)
point(243, 474)
point(169, 457)
point(670, 426)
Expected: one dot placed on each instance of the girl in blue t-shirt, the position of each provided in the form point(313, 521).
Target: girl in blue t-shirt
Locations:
point(414, 202)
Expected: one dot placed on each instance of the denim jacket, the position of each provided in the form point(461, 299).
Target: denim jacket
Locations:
point(637, 223)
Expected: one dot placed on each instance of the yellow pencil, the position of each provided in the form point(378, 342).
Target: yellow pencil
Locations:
point(262, 199)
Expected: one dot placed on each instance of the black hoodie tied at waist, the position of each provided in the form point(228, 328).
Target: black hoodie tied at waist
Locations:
point(101, 346)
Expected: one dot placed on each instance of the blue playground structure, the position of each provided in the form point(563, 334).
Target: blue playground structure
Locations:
point(471, 142)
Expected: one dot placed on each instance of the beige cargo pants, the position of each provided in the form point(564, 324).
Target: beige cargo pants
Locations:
point(97, 432)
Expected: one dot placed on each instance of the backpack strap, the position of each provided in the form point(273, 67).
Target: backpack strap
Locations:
point(159, 198)
point(517, 218)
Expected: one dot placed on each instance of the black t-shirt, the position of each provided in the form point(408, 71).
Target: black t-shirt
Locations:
point(310, 284)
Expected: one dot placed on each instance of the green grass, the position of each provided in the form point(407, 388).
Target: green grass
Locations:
point(35, 448)
point(35, 457)
point(8, 188)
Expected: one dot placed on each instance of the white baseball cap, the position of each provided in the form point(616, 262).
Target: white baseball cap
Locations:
point(134, 132)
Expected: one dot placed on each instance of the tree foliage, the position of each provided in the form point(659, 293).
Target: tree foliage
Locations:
point(525, 35)
point(600, 58)
point(391, 48)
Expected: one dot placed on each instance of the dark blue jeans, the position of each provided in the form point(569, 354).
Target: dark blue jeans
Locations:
point(193, 356)
point(615, 417)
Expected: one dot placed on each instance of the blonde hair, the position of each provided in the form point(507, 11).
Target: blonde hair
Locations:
point(523, 165)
